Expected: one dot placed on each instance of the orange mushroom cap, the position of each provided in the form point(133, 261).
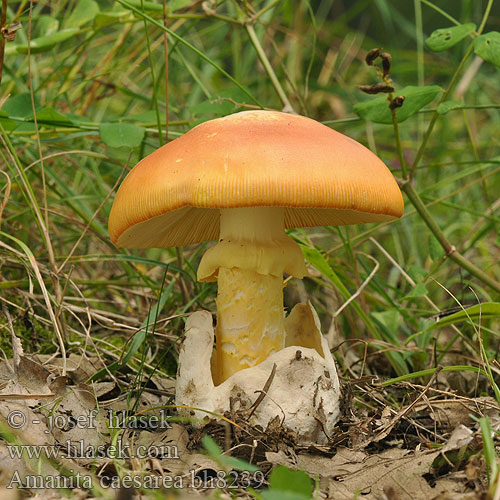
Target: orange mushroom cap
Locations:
point(253, 158)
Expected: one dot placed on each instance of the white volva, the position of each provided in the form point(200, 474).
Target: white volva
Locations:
point(303, 392)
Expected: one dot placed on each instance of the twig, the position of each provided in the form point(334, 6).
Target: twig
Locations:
point(360, 289)
point(263, 392)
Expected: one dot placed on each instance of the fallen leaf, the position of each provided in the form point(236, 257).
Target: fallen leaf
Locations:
point(460, 437)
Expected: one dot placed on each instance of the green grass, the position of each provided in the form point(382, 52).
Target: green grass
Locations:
point(100, 88)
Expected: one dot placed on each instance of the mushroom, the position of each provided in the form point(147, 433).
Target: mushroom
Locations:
point(242, 180)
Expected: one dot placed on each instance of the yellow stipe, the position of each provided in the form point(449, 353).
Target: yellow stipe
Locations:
point(250, 320)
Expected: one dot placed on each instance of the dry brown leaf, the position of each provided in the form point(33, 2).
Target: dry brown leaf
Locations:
point(79, 368)
point(165, 384)
point(103, 388)
point(32, 376)
point(76, 405)
point(6, 370)
point(8, 465)
point(396, 468)
point(461, 436)
point(354, 473)
point(6, 494)
point(31, 427)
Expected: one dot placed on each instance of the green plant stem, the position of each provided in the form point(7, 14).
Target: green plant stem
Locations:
point(165, 49)
point(151, 68)
point(436, 115)
point(419, 31)
point(431, 371)
point(268, 68)
point(485, 17)
point(450, 250)
point(402, 161)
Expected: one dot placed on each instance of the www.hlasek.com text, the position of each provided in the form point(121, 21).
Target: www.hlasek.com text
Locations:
point(80, 450)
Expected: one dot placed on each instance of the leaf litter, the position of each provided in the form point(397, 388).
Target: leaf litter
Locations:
point(425, 445)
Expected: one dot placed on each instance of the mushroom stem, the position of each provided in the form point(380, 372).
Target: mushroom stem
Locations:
point(248, 263)
point(250, 320)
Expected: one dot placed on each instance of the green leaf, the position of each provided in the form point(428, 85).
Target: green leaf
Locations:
point(417, 273)
point(231, 462)
point(487, 47)
point(174, 5)
point(390, 319)
point(103, 19)
point(85, 11)
point(388, 324)
point(436, 251)
point(118, 135)
point(419, 290)
point(316, 259)
point(284, 479)
point(216, 106)
point(46, 42)
point(238, 464)
point(283, 495)
point(377, 110)
point(446, 106)
point(26, 128)
point(445, 38)
point(46, 25)
point(486, 310)
point(6, 123)
point(49, 116)
point(19, 105)
point(489, 450)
